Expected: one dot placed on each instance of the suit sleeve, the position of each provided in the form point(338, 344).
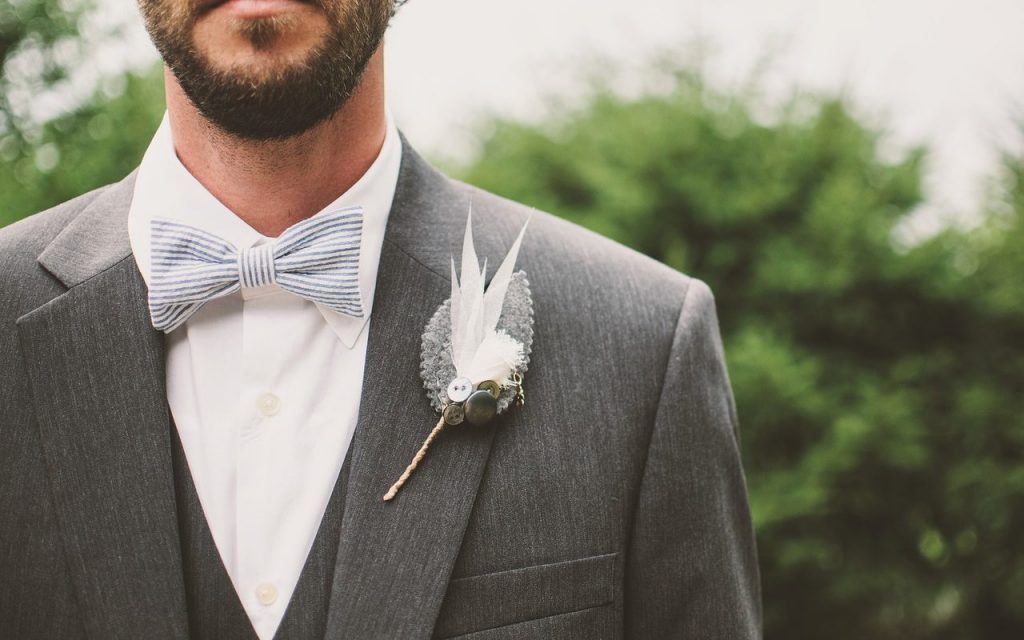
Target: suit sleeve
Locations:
point(691, 569)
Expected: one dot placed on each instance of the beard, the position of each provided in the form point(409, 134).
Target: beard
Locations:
point(280, 100)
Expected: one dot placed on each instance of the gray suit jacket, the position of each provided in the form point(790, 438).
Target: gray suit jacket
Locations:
point(611, 505)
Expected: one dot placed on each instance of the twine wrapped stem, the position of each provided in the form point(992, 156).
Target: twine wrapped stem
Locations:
point(415, 461)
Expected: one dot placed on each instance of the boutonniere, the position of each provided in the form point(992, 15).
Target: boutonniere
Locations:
point(476, 347)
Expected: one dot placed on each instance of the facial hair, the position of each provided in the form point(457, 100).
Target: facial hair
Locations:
point(279, 103)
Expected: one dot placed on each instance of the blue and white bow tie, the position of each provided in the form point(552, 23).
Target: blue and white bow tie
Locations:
point(316, 259)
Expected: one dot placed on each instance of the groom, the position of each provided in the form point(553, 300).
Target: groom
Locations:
point(219, 473)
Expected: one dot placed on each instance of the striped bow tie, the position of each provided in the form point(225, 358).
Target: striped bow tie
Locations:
point(316, 259)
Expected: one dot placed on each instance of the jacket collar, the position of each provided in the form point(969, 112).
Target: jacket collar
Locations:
point(94, 240)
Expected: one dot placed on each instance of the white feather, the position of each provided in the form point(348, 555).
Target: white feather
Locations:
point(479, 351)
point(495, 296)
point(456, 311)
point(465, 333)
point(497, 356)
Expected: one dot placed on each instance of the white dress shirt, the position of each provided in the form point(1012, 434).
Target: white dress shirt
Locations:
point(263, 386)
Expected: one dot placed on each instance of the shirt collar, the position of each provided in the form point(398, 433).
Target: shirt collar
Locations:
point(165, 188)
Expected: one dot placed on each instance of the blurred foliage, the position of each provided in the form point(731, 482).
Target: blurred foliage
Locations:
point(100, 140)
point(879, 386)
point(37, 41)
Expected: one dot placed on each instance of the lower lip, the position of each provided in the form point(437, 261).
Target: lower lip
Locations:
point(252, 9)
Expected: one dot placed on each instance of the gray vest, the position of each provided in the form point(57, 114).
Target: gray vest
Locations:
point(214, 610)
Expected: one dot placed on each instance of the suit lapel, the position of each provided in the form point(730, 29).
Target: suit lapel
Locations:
point(96, 368)
point(394, 559)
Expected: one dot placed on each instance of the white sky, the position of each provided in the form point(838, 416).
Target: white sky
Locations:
point(944, 72)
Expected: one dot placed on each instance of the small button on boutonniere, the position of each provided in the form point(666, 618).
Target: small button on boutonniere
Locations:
point(476, 346)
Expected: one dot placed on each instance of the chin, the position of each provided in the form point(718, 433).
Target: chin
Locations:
point(259, 43)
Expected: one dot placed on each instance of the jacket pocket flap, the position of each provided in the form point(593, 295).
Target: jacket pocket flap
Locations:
point(506, 597)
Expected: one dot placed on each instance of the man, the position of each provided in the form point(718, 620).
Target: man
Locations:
point(220, 474)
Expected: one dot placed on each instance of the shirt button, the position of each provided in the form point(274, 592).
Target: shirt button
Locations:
point(266, 594)
point(268, 404)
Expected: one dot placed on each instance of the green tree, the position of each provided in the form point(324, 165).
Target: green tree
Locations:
point(46, 158)
point(38, 43)
point(97, 143)
point(879, 398)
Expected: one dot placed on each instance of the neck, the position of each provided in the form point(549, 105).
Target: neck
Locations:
point(271, 185)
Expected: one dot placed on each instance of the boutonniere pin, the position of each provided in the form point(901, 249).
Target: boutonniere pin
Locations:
point(476, 346)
